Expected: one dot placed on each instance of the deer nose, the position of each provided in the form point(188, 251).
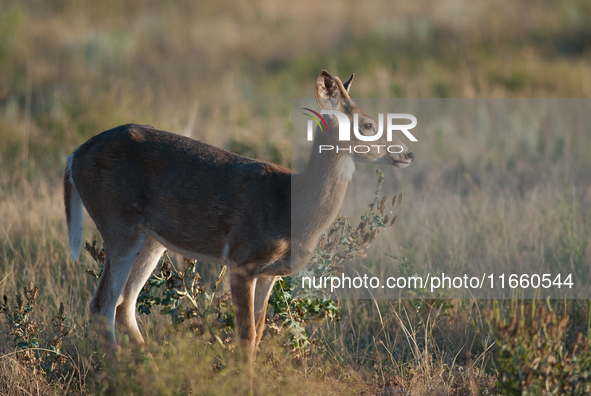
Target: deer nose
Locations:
point(410, 156)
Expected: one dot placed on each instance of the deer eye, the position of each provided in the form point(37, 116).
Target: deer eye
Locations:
point(367, 126)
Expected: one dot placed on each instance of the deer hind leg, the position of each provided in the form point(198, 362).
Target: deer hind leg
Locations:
point(142, 269)
point(264, 286)
point(120, 254)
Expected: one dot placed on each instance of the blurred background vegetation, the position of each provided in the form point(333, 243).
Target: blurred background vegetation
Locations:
point(224, 72)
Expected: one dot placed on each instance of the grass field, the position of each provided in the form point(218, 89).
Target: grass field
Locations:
point(224, 73)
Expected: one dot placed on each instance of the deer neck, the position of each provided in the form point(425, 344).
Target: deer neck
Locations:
point(317, 196)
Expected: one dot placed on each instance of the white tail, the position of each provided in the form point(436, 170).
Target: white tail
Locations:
point(148, 190)
point(74, 211)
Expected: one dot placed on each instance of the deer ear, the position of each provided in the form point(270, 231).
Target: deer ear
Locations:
point(347, 85)
point(328, 94)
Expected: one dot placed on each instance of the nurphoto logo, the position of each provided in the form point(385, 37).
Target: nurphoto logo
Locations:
point(345, 129)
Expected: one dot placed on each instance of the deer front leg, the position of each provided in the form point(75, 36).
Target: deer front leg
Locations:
point(242, 285)
point(264, 287)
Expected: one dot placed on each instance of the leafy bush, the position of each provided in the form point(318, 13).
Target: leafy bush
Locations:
point(37, 348)
point(345, 242)
point(532, 356)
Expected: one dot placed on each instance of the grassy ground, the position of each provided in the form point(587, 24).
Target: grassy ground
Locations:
point(224, 73)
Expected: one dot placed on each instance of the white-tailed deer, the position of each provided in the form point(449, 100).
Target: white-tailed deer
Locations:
point(148, 190)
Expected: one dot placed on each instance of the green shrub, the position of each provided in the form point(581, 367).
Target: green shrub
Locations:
point(532, 356)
